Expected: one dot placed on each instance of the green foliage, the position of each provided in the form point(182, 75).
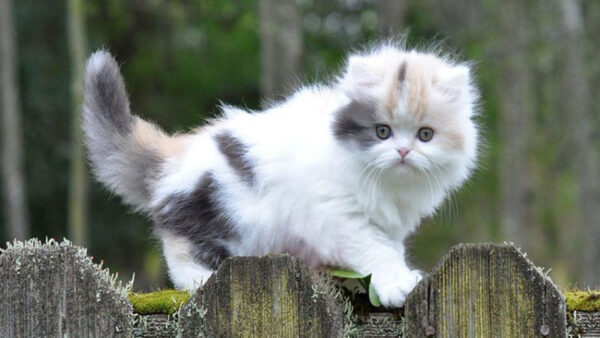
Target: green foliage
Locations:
point(347, 274)
point(165, 301)
point(355, 283)
point(373, 298)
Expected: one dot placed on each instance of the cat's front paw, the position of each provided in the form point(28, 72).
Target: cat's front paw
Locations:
point(392, 289)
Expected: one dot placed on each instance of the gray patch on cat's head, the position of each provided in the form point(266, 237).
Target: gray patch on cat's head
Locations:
point(355, 123)
point(199, 217)
point(235, 152)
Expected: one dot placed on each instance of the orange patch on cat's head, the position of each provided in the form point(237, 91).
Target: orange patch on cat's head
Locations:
point(395, 89)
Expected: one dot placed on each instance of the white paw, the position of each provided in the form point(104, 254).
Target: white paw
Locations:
point(392, 289)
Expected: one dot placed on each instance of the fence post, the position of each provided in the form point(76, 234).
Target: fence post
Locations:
point(485, 290)
point(271, 296)
point(54, 290)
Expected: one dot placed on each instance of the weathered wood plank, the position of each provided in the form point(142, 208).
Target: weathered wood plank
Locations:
point(584, 324)
point(272, 296)
point(476, 290)
point(485, 290)
point(54, 290)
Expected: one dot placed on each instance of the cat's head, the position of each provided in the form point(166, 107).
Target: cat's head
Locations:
point(409, 114)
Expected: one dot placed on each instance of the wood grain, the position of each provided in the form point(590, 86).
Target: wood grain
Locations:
point(55, 291)
point(272, 296)
point(485, 290)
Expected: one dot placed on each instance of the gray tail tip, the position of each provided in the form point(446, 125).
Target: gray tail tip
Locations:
point(99, 61)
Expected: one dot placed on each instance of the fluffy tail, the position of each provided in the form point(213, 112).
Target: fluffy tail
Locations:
point(124, 150)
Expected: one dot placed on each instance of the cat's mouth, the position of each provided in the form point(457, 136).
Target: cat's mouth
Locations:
point(404, 166)
point(404, 162)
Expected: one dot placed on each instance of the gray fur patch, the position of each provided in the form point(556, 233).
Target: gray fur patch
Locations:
point(235, 152)
point(355, 123)
point(198, 217)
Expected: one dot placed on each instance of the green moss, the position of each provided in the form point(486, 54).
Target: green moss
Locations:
point(165, 301)
point(588, 301)
point(169, 301)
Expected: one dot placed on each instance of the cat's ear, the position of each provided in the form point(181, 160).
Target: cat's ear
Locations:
point(454, 82)
point(361, 73)
point(360, 78)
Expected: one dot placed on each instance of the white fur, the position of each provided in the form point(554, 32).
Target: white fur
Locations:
point(184, 271)
point(323, 201)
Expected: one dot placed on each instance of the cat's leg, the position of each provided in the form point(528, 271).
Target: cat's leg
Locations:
point(371, 252)
point(394, 279)
point(184, 270)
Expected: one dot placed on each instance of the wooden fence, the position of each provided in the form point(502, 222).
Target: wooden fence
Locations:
point(477, 290)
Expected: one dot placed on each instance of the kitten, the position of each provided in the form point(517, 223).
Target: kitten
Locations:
point(337, 175)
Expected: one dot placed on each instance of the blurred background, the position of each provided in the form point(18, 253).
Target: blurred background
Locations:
point(538, 183)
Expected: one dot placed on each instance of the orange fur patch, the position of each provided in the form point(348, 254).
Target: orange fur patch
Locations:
point(392, 98)
point(147, 134)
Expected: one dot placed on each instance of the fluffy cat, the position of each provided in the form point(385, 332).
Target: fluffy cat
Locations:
point(336, 175)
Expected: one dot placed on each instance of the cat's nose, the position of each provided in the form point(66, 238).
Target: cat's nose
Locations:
point(403, 151)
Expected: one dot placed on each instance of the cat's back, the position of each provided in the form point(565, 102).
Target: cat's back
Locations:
point(283, 147)
point(291, 136)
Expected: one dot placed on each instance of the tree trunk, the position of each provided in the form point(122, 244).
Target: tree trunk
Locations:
point(281, 47)
point(576, 109)
point(391, 16)
point(12, 147)
point(516, 124)
point(78, 180)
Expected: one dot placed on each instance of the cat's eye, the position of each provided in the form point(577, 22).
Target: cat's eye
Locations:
point(425, 134)
point(383, 131)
